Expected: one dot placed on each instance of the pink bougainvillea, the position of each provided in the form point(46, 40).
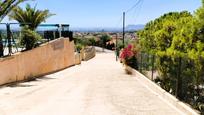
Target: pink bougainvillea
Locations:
point(130, 47)
point(127, 53)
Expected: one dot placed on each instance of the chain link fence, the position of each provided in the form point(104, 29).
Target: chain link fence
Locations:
point(180, 76)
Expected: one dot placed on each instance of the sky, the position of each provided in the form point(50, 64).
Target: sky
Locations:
point(108, 13)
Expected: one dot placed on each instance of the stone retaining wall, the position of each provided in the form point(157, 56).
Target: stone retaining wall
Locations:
point(89, 53)
point(85, 55)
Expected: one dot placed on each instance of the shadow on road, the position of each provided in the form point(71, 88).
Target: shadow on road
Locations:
point(19, 85)
point(23, 83)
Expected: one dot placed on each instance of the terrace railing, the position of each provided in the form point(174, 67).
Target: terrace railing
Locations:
point(10, 34)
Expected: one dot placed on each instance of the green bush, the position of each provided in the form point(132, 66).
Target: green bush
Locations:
point(82, 41)
point(29, 38)
point(126, 42)
point(78, 47)
point(103, 39)
point(92, 41)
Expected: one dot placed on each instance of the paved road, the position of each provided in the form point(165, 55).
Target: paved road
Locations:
point(96, 87)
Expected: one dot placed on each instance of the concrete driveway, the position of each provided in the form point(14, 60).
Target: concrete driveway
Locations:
point(97, 87)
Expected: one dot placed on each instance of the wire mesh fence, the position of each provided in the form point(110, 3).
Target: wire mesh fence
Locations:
point(182, 77)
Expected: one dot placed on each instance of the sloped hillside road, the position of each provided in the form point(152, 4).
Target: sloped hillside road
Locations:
point(96, 87)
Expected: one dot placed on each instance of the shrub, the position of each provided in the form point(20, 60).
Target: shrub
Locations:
point(78, 47)
point(29, 38)
point(128, 56)
point(92, 41)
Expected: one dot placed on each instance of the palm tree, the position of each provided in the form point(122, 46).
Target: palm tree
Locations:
point(7, 5)
point(30, 16)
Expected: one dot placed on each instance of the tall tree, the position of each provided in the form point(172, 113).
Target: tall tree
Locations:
point(196, 53)
point(177, 38)
point(163, 37)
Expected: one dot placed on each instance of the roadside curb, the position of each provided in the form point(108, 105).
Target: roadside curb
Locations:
point(165, 95)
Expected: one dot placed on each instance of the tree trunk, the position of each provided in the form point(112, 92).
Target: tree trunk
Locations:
point(179, 80)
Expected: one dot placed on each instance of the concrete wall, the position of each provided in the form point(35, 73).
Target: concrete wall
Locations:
point(47, 58)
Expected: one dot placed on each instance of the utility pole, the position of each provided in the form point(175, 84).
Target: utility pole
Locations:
point(102, 38)
point(123, 29)
point(116, 47)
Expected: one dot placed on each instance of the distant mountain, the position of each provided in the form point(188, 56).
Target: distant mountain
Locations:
point(127, 28)
point(134, 27)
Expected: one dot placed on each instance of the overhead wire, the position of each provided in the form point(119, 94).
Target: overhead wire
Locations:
point(135, 5)
point(118, 24)
point(138, 3)
point(134, 11)
point(137, 11)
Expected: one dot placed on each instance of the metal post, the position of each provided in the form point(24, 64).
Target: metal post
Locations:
point(103, 44)
point(123, 29)
point(1, 46)
point(60, 30)
point(54, 35)
point(141, 62)
point(116, 47)
point(9, 38)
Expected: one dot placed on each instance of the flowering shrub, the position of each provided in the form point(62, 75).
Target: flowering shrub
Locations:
point(128, 56)
point(126, 53)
